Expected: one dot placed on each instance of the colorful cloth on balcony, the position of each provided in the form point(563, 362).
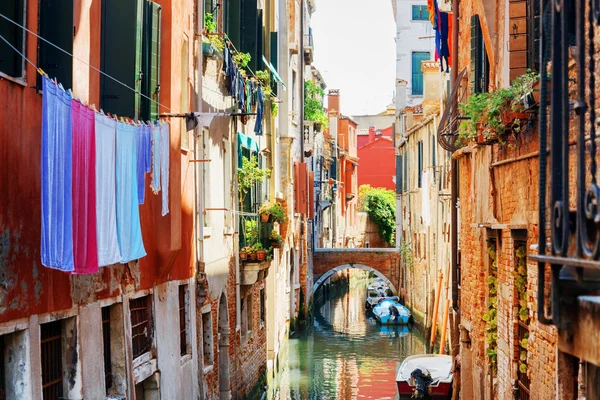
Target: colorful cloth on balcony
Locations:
point(85, 247)
point(106, 197)
point(144, 158)
point(56, 188)
point(260, 109)
point(156, 153)
point(165, 148)
point(129, 230)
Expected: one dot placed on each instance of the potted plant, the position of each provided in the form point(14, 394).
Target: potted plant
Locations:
point(275, 239)
point(261, 253)
point(251, 253)
point(248, 176)
point(265, 212)
point(244, 254)
point(277, 213)
point(313, 105)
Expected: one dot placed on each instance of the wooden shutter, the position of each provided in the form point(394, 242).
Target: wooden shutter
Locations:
point(249, 31)
point(477, 57)
point(274, 55)
point(303, 190)
point(311, 196)
point(120, 49)
point(296, 187)
point(420, 163)
point(399, 166)
point(232, 21)
point(517, 41)
point(10, 62)
point(150, 57)
point(259, 42)
point(56, 25)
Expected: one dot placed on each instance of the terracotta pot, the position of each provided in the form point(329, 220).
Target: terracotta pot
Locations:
point(261, 255)
point(252, 256)
point(510, 116)
point(264, 217)
point(243, 255)
point(275, 244)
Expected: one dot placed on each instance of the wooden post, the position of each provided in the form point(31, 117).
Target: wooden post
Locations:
point(435, 309)
point(444, 326)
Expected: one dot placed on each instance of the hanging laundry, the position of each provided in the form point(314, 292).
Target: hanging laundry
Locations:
point(85, 247)
point(259, 112)
point(431, 9)
point(165, 144)
point(129, 231)
point(443, 49)
point(57, 217)
point(106, 200)
point(144, 158)
point(156, 156)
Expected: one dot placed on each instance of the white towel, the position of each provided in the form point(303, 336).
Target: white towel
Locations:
point(165, 146)
point(155, 136)
point(106, 195)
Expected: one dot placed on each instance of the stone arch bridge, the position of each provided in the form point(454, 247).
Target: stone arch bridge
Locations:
point(385, 263)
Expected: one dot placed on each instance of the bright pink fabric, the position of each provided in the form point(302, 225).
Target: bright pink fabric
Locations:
point(85, 246)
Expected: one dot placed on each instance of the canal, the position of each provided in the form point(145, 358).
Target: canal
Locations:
point(344, 355)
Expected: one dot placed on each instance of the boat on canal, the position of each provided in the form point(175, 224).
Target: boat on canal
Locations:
point(425, 376)
point(390, 312)
point(377, 292)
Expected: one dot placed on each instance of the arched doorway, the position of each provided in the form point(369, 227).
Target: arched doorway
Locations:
point(224, 377)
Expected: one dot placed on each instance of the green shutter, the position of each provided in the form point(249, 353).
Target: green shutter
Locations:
point(232, 21)
point(56, 25)
point(259, 41)
point(119, 55)
point(10, 62)
point(150, 57)
point(274, 47)
point(249, 32)
point(417, 74)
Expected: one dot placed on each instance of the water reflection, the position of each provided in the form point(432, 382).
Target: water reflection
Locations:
point(346, 355)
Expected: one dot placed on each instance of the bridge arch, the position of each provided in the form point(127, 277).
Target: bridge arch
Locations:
point(343, 267)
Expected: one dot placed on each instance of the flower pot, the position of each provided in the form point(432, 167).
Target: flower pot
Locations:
point(261, 255)
point(510, 116)
point(537, 91)
point(252, 257)
point(208, 49)
point(243, 255)
point(264, 217)
point(275, 244)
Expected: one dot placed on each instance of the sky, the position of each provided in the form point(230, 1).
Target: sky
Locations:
point(355, 51)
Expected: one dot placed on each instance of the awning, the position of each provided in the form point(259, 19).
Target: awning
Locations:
point(274, 72)
point(247, 142)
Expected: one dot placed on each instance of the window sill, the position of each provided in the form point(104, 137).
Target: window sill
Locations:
point(144, 367)
point(208, 368)
point(207, 231)
point(185, 359)
point(228, 231)
point(18, 81)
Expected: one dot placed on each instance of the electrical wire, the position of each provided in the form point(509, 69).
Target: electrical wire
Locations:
point(75, 58)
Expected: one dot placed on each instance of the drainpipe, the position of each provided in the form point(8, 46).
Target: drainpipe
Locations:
point(454, 176)
point(236, 238)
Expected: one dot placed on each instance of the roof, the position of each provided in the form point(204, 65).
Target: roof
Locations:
point(377, 139)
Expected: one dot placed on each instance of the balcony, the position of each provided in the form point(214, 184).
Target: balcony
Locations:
point(308, 48)
point(253, 271)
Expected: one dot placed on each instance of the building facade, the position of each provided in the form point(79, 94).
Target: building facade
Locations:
point(378, 156)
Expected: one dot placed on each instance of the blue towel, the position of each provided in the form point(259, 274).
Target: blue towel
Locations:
point(155, 184)
point(129, 231)
point(106, 196)
point(57, 212)
point(165, 146)
point(142, 134)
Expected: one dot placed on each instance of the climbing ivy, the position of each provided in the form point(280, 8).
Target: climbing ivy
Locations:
point(406, 255)
point(380, 204)
point(491, 316)
point(520, 275)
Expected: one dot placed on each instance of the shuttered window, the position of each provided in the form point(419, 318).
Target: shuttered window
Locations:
point(11, 63)
point(420, 163)
point(130, 53)
point(417, 74)
point(232, 20)
point(480, 66)
point(399, 166)
point(56, 26)
point(274, 52)
point(419, 13)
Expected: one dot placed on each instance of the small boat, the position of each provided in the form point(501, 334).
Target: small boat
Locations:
point(376, 293)
point(425, 376)
point(390, 312)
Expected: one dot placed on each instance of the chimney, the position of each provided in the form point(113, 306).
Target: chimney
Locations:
point(333, 100)
point(431, 86)
point(371, 134)
point(400, 94)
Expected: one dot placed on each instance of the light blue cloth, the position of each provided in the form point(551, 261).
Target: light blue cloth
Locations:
point(56, 185)
point(129, 230)
point(165, 146)
point(106, 196)
point(155, 184)
point(143, 159)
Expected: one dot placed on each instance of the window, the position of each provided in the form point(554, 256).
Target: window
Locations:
point(405, 172)
point(420, 163)
point(113, 337)
point(130, 52)
point(417, 74)
point(184, 320)
point(140, 310)
point(207, 338)
point(56, 26)
point(58, 354)
point(11, 63)
point(420, 13)
point(480, 66)
point(262, 307)
point(521, 302)
point(211, 7)
point(399, 161)
point(14, 356)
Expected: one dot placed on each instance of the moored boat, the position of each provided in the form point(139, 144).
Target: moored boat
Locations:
point(425, 376)
point(390, 312)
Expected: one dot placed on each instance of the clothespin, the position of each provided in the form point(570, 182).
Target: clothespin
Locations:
point(102, 112)
point(41, 72)
point(93, 107)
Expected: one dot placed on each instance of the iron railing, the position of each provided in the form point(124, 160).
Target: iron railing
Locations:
point(52, 357)
point(568, 117)
point(141, 325)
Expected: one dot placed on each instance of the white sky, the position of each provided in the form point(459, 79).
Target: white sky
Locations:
point(355, 51)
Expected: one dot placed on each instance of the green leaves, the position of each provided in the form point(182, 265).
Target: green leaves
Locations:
point(313, 104)
point(380, 204)
point(249, 175)
point(242, 59)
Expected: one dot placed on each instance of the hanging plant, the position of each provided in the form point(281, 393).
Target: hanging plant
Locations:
point(491, 316)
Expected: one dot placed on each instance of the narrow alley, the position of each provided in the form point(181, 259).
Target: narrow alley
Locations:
point(299, 199)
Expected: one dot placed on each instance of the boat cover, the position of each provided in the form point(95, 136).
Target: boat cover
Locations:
point(438, 365)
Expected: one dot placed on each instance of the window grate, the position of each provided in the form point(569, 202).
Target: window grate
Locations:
point(522, 378)
point(182, 321)
point(107, 347)
point(141, 325)
point(52, 362)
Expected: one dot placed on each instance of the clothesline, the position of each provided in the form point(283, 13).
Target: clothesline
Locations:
point(39, 70)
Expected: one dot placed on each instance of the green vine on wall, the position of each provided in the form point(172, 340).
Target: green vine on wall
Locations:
point(380, 204)
point(406, 255)
point(491, 316)
point(520, 275)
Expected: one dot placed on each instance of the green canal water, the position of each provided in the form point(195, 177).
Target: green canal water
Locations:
point(344, 355)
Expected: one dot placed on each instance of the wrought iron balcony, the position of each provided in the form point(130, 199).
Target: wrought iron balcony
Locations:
point(308, 48)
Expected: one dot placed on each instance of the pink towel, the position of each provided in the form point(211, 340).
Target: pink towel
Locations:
point(85, 246)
